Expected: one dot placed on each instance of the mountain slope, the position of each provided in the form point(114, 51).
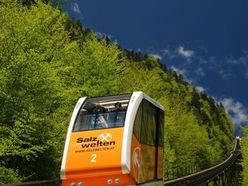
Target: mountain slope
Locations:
point(48, 61)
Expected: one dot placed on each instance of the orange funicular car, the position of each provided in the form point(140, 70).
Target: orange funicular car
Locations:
point(114, 140)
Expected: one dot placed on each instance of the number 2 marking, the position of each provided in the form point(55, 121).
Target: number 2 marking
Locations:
point(93, 158)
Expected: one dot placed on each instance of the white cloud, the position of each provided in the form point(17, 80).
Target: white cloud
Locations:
point(184, 52)
point(75, 8)
point(182, 72)
point(157, 56)
point(224, 74)
point(200, 89)
point(199, 71)
point(243, 60)
point(232, 61)
point(102, 35)
point(236, 109)
point(202, 61)
point(165, 52)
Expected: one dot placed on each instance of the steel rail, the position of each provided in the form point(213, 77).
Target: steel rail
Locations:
point(206, 175)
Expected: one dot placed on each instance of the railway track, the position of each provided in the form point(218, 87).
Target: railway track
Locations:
point(205, 176)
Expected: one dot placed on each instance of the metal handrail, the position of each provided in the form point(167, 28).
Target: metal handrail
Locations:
point(205, 175)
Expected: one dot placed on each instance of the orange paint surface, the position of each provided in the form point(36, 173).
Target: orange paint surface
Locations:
point(123, 180)
point(143, 158)
point(94, 153)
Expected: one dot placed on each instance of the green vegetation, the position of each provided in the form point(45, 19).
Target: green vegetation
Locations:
point(48, 61)
point(244, 148)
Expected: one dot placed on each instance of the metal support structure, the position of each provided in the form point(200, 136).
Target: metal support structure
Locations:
point(226, 173)
point(229, 177)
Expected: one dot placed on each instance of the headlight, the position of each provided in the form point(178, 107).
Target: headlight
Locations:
point(110, 181)
point(117, 180)
point(80, 184)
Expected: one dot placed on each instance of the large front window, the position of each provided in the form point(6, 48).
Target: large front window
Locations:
point(99, 113)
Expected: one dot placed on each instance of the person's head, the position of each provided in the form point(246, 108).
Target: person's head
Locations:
point(98, 109)
point(118, 105)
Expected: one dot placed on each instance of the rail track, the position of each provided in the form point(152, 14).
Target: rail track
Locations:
point(205, 176)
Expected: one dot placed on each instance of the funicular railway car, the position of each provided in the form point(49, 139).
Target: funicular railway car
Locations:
point(114, 140)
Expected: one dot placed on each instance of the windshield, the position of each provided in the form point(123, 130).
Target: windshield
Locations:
point(99, 113)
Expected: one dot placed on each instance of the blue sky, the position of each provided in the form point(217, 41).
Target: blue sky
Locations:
point(205, 41)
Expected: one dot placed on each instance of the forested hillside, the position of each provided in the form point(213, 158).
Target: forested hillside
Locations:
point(48, 61)
point(244, 148)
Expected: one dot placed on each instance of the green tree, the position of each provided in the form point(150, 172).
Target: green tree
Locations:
point(244, 148)
point(99, 69)
point(34, 51)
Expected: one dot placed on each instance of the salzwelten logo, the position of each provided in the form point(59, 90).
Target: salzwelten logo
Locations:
point(103, 140)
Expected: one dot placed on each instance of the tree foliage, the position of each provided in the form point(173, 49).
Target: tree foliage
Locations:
point(244, 148)
point(32, 51)
point(48, 61)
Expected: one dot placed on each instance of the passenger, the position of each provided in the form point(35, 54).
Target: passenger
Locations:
point(100, 121)
point(118, 107)
point(91, 118)
point(120, 113)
